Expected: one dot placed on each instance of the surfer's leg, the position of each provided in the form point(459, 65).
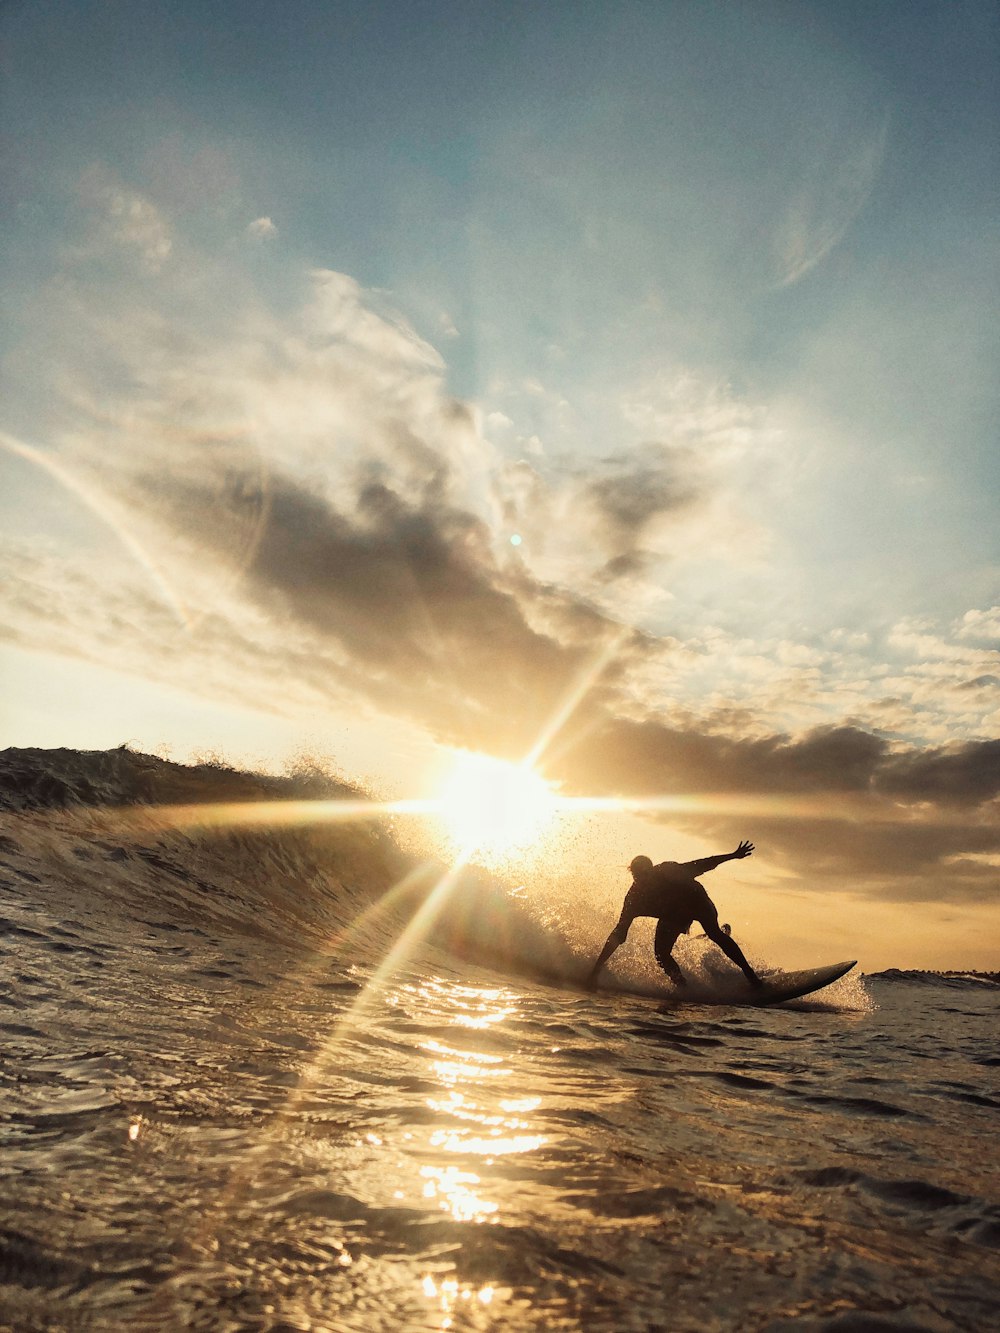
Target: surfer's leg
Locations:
point(709, 921)
point(663, 942)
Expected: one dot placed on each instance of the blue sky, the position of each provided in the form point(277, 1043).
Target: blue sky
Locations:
point(311, 308)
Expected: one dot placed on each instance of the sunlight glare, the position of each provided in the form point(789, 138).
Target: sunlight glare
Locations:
point(490, 807)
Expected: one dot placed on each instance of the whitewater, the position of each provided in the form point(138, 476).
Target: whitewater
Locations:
point(278, 1077)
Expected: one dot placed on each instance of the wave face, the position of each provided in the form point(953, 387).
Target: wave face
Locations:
point(254, 854)
point(129, 831)
point(263, 1071)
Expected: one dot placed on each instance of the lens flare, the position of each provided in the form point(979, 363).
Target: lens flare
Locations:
point(489, 807)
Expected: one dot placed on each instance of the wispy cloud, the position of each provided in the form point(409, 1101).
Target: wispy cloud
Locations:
point(835, 184)
point(125, 218)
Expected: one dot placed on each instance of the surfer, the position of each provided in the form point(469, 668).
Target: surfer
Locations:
point(671, 893)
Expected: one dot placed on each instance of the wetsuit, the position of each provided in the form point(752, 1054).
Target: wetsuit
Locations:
point(671, 893)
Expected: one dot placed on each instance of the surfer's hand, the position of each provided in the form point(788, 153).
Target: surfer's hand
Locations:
point(744, 849)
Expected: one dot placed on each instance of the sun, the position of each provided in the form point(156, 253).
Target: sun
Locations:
point(491, 808)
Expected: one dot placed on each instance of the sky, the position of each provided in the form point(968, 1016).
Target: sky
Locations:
point(613, 385)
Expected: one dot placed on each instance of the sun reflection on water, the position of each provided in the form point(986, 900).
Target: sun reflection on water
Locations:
point(450, 1186)
point(460, 1066)
point(453, 1295)
point(479, 1119)
point(460, 1158)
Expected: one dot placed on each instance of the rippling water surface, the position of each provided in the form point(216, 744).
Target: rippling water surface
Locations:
point(206, 1129)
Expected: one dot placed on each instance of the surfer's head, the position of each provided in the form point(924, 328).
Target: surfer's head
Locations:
point(640, 866)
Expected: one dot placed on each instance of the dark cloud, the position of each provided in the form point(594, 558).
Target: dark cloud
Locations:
point(637, 490)
point(846, 808)
point(962, 775)
point(890, 858)
point(397, 598)
point(643, 757)
point(632, 494)
point(624, 566)
point(648, 756)
point(410, 590)
point(351, 538)
point(847, 811)
point(980, 683)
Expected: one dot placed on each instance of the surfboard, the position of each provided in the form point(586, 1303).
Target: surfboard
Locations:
point(733, 987)
point(777, 987)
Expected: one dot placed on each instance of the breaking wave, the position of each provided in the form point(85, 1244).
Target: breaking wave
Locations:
point(255, 854)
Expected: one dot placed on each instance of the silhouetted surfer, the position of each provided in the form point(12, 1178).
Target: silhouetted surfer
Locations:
point(672, 894)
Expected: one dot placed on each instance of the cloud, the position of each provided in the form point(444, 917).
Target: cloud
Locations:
point(396, 607)
point(125, 218)
point(837, 805)
point(661, 494)
point(963, 775)
point(835, 185)
point(409, 589)
point(311, 474)
point(896, 861)
point(981, 626)
point(341, 311)
point(645, 757)
point(630, 496)
point(261, 229)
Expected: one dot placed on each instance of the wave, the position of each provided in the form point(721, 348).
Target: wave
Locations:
point(305, 861)
point(302, 860)
point(39, 779)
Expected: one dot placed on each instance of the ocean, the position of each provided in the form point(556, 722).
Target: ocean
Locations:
point(280, 1077)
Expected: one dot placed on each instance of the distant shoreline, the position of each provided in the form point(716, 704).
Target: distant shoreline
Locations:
point(935, 974)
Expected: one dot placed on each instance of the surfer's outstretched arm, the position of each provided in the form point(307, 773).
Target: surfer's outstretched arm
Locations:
point(616, 938)
point(707, 863)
